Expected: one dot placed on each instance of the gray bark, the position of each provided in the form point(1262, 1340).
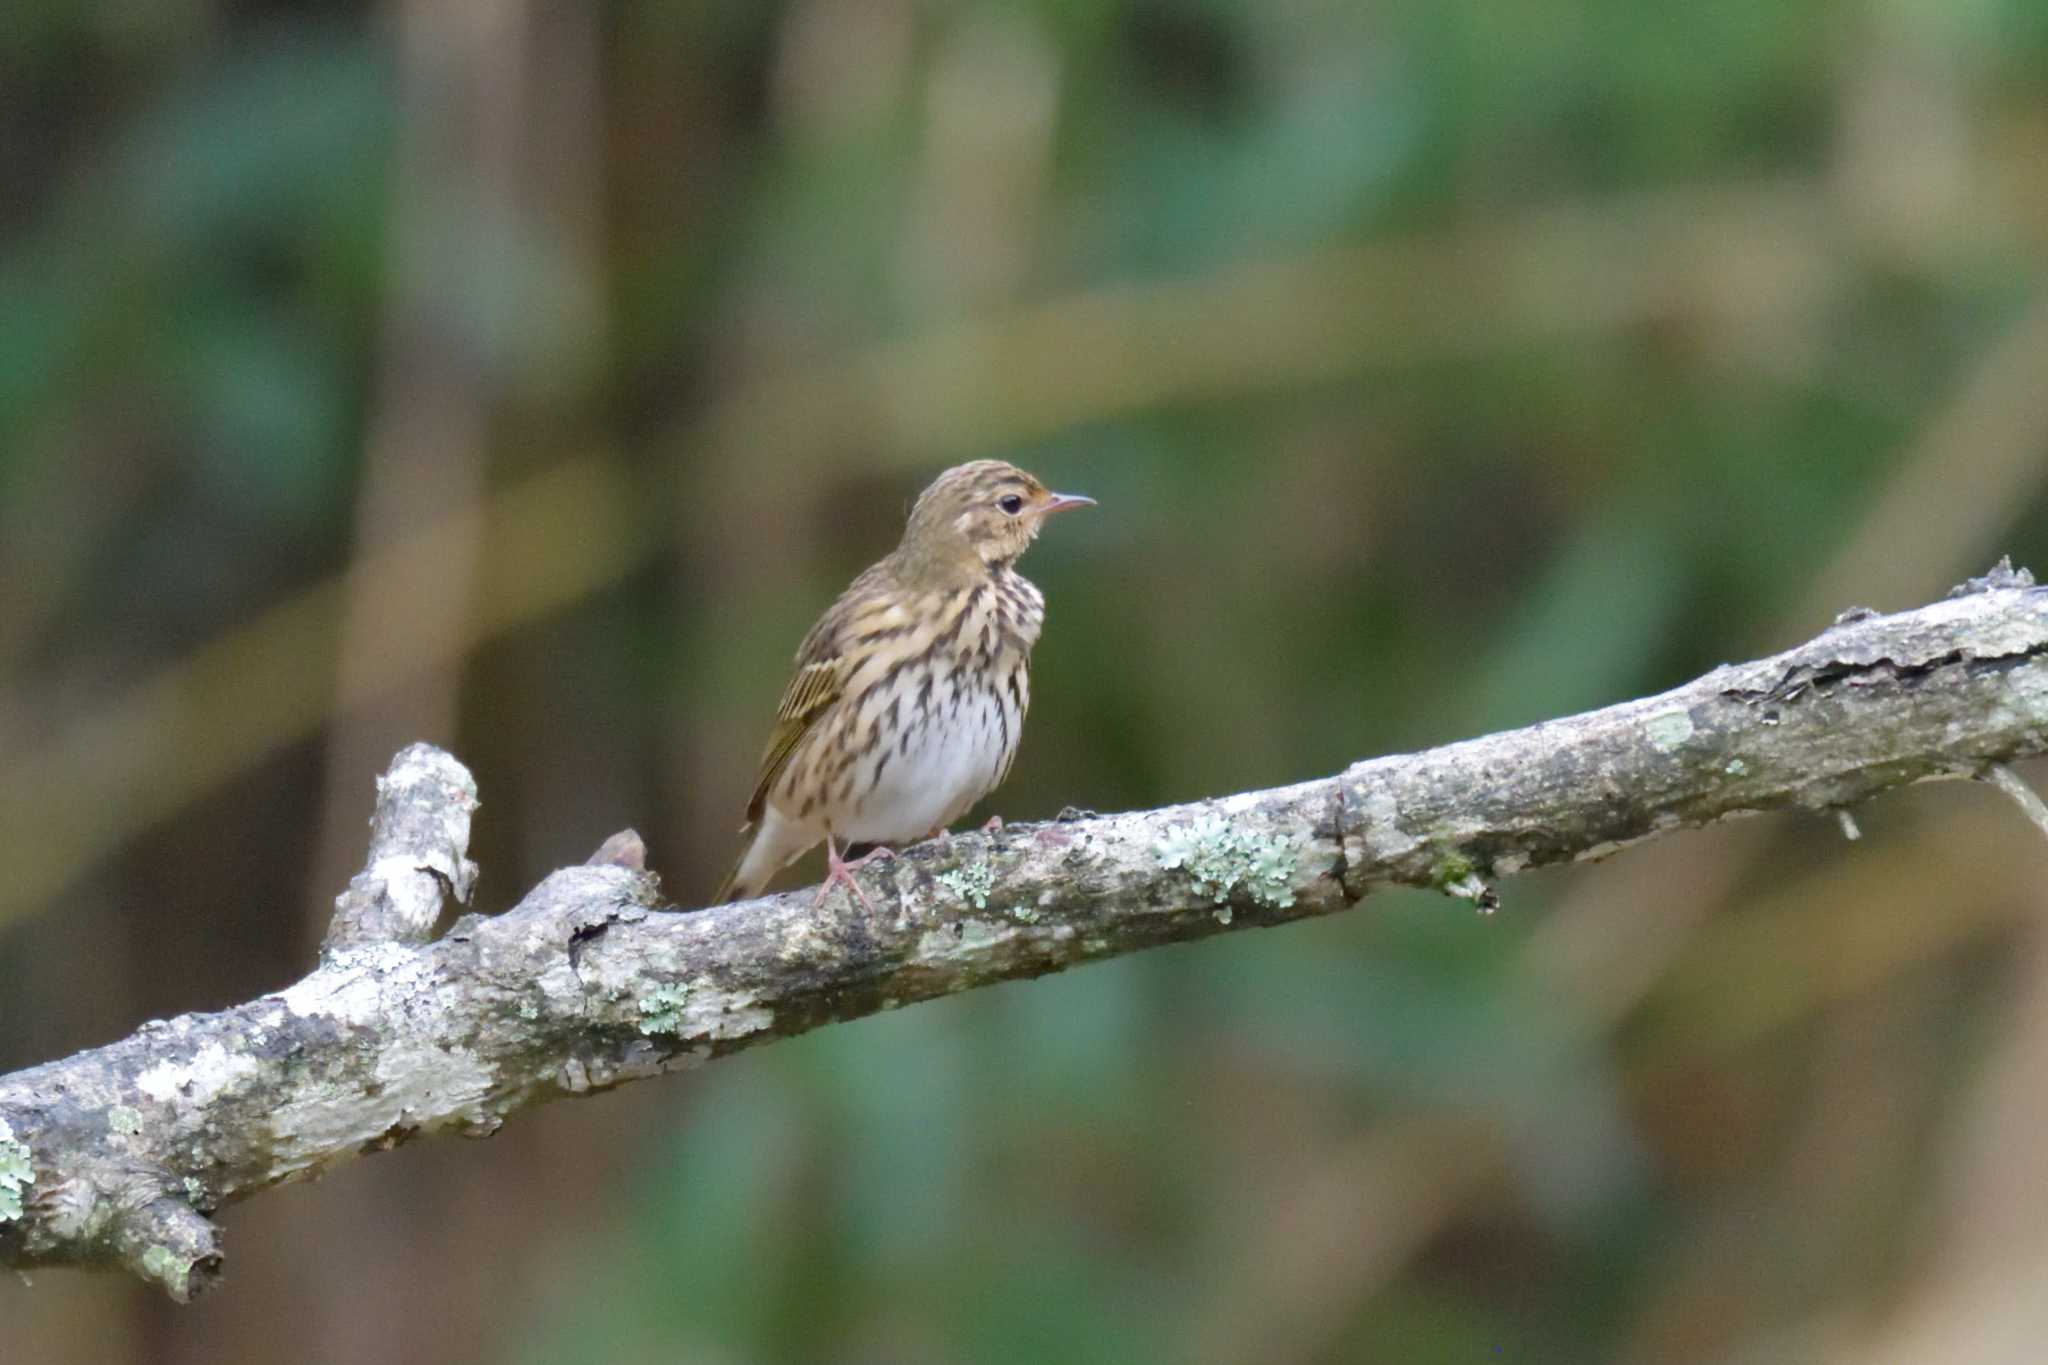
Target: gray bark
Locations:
point(119, 1155)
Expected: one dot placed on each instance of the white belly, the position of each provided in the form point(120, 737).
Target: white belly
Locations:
point(933, 772)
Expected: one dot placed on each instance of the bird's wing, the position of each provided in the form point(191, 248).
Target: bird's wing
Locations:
point(814, 688)
point(810, 693)
point(822, 667)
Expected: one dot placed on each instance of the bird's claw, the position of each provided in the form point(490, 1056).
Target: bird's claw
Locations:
point(839, 872)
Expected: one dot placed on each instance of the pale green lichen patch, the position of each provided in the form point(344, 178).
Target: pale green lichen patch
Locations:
point(1223, 857)
point(165, 1266)
point(124, 1120)
point(971, 883)
point(977, 935)
point(16, 1174)
point(1382, 815)
point(194, 1080)
point(697, 1009)
point(1668, 730)
point(1475, 890)
point(1453, 869)
point(964, 944)
point(1457, 875)
point(661, 1010)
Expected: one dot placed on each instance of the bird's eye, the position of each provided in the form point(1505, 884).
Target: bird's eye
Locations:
point(1011, 503)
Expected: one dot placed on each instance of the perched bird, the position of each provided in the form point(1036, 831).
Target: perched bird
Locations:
point(910, 692)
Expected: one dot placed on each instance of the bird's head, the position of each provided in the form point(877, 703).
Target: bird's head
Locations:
point(987, 512)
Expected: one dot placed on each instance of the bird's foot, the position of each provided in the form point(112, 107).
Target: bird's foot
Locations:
point(945, 835)
point(839, 872)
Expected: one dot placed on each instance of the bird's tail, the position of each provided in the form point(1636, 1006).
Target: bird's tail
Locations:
point(772, 846)
point(730, 889)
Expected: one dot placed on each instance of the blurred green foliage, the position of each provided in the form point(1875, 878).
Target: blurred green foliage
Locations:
point(1674, 313)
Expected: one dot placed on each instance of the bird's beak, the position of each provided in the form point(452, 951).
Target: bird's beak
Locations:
point(1060, 502)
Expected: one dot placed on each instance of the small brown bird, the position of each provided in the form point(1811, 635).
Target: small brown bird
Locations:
point(910, 692)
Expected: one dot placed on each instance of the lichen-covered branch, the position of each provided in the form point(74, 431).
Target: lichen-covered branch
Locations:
point(418, 837)
point(120, 1155)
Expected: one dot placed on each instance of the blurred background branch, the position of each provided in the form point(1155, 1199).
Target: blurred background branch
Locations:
point(181, 734)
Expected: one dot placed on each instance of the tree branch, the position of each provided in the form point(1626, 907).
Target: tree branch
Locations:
point(117, 1155)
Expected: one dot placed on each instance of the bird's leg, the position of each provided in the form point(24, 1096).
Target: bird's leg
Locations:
point(945, 835)
point(839, 871)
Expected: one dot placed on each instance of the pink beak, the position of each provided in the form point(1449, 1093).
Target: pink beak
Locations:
point(1060, 502)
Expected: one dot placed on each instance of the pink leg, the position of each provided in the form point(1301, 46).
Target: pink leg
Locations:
point(945, 836)
point(839, 871)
